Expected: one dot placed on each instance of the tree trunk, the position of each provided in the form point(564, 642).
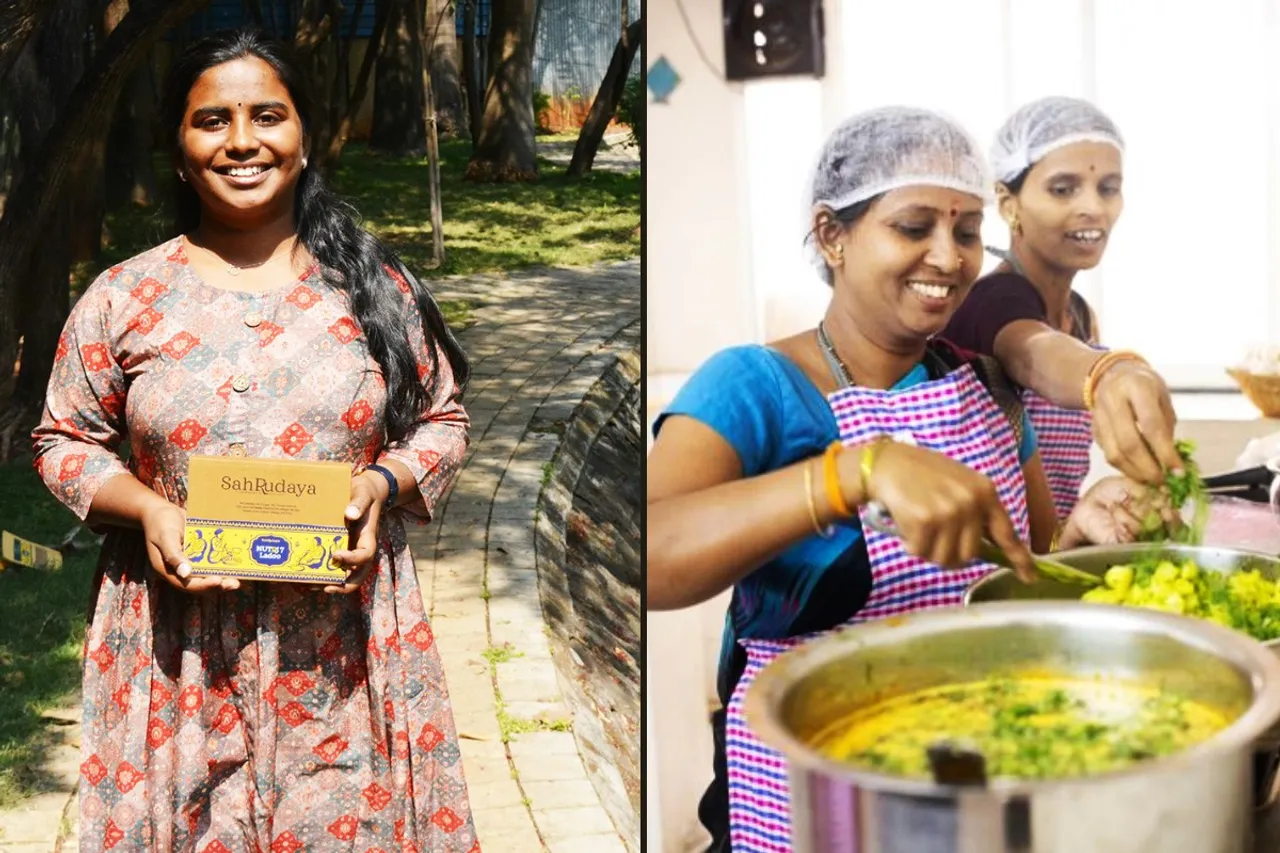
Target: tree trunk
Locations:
point(471, 68)
point(130, 171)
point(339, 84)
point(316, 40)
point(18, 20)
point(433, 147)
point(43, 306)
point(397, 92)
point(382, 14)
point(47, 75)
point(506, 149)
point(442, 55)
point(35, 197)
point(606, 102)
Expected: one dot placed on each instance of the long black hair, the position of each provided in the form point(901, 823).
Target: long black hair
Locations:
point(351, 258)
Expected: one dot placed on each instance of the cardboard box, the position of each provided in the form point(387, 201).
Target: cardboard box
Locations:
point(266, 519)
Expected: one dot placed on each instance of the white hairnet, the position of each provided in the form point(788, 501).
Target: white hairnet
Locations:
point(894, 147)
point(1046, 125)
point(890, 148)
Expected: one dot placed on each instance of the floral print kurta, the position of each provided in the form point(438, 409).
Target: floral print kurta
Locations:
point(275, 717)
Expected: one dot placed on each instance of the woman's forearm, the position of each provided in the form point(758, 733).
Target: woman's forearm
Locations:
point(121, 502)
point(1054, 365)
point(702, 543)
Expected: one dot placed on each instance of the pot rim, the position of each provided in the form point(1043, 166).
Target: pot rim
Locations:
point(1258, 664)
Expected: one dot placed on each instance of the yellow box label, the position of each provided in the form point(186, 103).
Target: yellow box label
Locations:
point(20, 552)
point(266, 519)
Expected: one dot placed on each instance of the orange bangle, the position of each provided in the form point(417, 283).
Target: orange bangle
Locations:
point(1100, 367)
point(831, 479)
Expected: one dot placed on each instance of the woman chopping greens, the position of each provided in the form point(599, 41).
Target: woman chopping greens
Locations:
point(1059, 172)
point(763, 463)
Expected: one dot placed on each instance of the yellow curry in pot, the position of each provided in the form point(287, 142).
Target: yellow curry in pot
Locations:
point(1034, 728)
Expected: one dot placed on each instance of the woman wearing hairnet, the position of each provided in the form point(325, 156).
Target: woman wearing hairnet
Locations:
point(1058, 171)
point(763, 464)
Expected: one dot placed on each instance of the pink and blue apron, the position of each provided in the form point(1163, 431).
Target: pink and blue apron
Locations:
point(954, 415)
point(1064, 437)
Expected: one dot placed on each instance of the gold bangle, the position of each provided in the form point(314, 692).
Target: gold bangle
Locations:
point(1100, 367)
point(870, 454)
point(825, 533)
point(832, 478)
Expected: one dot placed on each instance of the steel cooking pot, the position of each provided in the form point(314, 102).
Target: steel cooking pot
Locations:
point(1003, 585)
point(1198, 799)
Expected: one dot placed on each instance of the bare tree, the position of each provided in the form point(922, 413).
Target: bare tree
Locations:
point(430, 30)
point(607, 99)
point(329, 154)
point(505, 149)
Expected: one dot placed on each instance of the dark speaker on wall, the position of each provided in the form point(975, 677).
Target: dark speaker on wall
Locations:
point(772, 38)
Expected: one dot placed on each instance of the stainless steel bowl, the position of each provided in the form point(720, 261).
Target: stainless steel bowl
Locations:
point(1198, 799)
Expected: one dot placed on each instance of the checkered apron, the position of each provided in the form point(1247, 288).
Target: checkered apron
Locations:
point(954, 415)
point(1065, 436)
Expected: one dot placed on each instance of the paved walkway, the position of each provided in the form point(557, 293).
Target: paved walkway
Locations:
point(540, 342)
point(614, 154)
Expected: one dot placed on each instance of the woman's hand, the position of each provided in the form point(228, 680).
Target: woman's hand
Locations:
point(1115, 511)
point(163, 527)
point(368, 492)
point(942, 508)
point(1133, 421)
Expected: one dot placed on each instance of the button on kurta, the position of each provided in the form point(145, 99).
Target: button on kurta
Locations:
point(253, 319)
point(240, 383)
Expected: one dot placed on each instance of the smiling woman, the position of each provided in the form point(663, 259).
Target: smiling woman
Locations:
point(263, 716)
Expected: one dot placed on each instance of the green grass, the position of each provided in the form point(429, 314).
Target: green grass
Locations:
point(41, 631)
point(509, 726)
point(496, 655)
point(554, 221)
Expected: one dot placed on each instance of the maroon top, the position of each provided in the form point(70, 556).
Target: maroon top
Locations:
point(999, 299)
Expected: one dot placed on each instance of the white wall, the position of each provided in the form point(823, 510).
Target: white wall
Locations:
point(701, 298)
point(726, 167)
point(1199, 107)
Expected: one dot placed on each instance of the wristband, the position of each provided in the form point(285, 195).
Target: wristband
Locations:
point(393, 485)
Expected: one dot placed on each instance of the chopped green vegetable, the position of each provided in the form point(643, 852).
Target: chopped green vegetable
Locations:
point(1181, 489)
point(1245, 600)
